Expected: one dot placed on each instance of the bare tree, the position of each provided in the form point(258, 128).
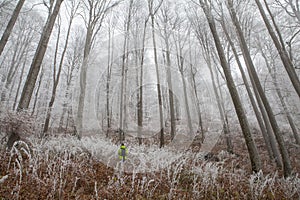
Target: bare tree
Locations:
point(39, 55)
point(152, 11)
point(253, 74)
point(57, 72)
point(20, 82)
point(272, 71)
point(72, 63)
point(10, 25)
point(262, 117)
point(38, 87)
point(279, 44)
point(168, 22)
point(20, 49)
point(180, 38)
point(124, 70)
point(291, 7)
point(252, 149)
point(95, 11)
point(208, 55)
point(139, 33)
point(110, 56)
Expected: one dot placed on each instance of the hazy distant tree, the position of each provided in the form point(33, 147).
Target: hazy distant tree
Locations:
point(152, 11)
point(124, 70)
point(168, 22)
point(291, 7)
point(110, 56)
point(19, 50)
point(180, 36)
point(57, 71)
point(73, 59)
point(280, 45)
point(207, 49)
point(93, 15)
point(272, 71)
point(194, 72)
point(139, 33)
point(20, 82)
point(38, 87)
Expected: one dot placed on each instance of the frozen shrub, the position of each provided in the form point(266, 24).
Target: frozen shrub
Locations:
point(16, 126)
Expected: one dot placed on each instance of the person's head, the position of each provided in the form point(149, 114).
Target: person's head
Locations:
point(122, 144)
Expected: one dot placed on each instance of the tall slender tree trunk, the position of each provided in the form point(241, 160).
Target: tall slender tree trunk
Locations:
point(67, 98)
point(160, 106)
point(266, 131)
point(38, 58)
point(226, 128)
point(56, 77)
point(20, 82)
point(10, 25)
point(169, 79)
point(180, 62)
point(252, 149)
point(219, 102)
point(194, 85)
point(83, 80)
point(140, 103)
point(124, 71)
point(186, 102)
point(108, 80)
point(37, 91)
point(170, 92)
point(198, 106)
point(284, 153)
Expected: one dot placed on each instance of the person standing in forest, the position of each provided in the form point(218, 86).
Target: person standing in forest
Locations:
point(123, 152)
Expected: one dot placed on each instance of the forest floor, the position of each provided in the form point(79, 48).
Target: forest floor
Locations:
point(58, 169)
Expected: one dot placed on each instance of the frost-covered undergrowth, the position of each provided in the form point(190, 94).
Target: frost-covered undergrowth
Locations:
point(141, 159)
point(66, 168)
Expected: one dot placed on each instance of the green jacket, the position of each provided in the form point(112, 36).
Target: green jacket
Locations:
point(123, 152)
